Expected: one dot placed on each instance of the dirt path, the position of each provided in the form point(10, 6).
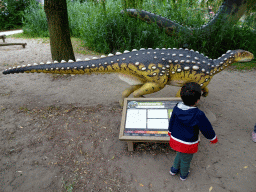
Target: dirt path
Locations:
point(61, 132)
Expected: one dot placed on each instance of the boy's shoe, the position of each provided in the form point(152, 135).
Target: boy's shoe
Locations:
point(254, 136)
point(183, 178)
point(173, 171)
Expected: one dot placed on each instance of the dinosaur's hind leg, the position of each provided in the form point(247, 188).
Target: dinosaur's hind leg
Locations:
point(148, 88)
point(128, 91)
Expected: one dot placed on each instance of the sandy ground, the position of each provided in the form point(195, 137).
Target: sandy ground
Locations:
point(60, 133)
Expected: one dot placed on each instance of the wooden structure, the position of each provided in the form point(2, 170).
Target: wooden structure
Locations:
point(3, 37)
point(153, 126)
point(8, 44)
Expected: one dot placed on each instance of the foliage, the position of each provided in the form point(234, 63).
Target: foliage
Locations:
point(104, 29)
point(12, 12)
point(35, 22)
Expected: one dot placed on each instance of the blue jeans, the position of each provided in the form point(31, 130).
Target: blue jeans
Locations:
point(255, 128)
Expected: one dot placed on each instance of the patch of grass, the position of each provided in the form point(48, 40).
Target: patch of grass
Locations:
point(24, 109)
point(27, 36)
point(78, 47)
point(5, 94)
point(69, 186)
point(245, 66)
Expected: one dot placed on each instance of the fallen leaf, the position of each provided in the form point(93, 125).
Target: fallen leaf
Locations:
point(245, 167)
point(210, 189)
point(141, 185)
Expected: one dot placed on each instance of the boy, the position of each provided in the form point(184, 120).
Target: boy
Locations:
point(184, 126)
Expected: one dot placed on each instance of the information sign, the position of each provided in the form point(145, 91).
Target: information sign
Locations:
point(146, 119)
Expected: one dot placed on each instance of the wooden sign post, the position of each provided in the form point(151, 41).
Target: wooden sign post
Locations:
point(146, 120)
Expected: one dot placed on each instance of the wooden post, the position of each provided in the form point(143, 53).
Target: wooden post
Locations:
point(130, 145)
point(3, 37)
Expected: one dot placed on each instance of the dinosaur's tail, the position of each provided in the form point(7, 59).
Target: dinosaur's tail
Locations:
point(111, 63)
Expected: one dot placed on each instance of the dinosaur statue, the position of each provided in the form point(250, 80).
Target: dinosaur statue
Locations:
point(146, 70)
point(229, 13)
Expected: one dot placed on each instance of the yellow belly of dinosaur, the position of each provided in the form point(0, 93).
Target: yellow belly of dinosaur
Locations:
point(178, 83)
point(131, 80)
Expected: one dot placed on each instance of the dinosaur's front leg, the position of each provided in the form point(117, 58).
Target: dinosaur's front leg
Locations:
point(127, 92)
point(148, 88)
point(178, 93)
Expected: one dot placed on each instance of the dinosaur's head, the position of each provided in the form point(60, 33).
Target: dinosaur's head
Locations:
point(243, 56)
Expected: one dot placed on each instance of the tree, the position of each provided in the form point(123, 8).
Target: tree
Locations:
point(57, 18)
point(11, 13)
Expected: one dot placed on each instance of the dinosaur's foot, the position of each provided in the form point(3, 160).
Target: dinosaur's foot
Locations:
point(127, 92)
point(121, 102)
point(205, 92)
point(178, 93)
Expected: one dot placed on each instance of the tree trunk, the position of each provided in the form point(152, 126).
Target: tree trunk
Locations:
point(57, 18)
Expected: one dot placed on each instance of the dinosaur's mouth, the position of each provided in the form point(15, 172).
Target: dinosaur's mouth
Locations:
point(245, 59)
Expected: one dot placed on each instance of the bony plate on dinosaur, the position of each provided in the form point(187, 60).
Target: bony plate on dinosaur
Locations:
point(146, 70)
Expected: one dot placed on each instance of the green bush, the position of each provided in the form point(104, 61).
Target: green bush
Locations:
point(35, 22)
point(104, 29)
point(110, 31)
point(11, 13)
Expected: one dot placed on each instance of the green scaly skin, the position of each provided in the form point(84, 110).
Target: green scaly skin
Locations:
point(147, 70)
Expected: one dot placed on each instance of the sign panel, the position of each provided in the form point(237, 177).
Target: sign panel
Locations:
point(146, 119)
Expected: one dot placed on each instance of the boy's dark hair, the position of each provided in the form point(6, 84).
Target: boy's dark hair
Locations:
point(190, 93)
